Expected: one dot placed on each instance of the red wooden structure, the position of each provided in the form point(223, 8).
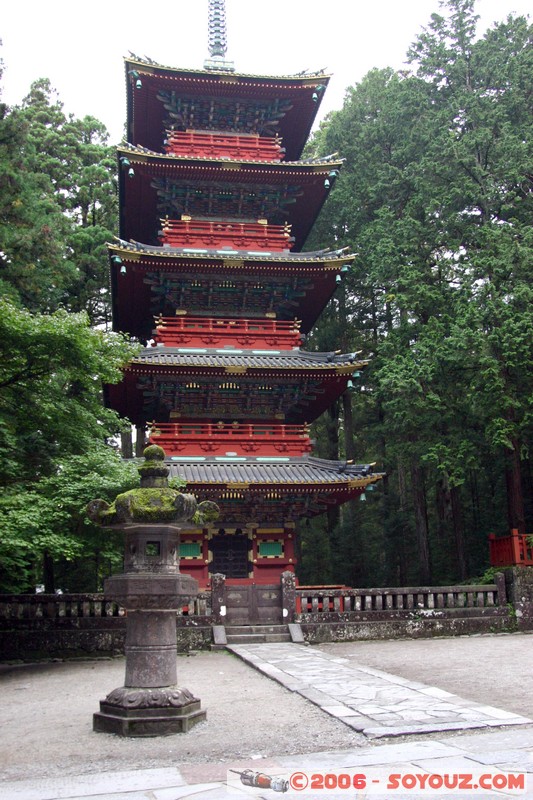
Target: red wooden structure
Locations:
point(207, 144)
point(510, 551)
point(232, 439)
point(190, 331)
point(188, 232)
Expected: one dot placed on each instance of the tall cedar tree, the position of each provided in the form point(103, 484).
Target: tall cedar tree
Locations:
point(435, 197)
point(57, 205)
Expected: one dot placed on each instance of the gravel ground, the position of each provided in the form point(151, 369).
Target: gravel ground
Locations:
point(46, 710)
point(46, 719)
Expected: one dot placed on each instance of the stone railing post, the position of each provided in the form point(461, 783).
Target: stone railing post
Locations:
point(499, 580)
point(519, 585)
point(288, 596)
point(218, 598)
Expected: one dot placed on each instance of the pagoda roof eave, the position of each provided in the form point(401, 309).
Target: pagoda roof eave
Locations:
point(267, 473)
point(144, 153)
point(242, 361)
point(310, 278)
point(331, 259)
point(149, 67)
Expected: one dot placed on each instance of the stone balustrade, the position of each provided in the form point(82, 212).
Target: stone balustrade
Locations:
point(326, 602)
point(65, 625)
point(322, 601)
point(80, 606)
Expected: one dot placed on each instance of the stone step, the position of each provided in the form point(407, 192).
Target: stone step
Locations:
point(257, 638)
point(263, 629)
point(257, 634)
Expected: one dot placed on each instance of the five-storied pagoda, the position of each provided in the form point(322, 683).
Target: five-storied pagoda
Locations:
point(215, 207)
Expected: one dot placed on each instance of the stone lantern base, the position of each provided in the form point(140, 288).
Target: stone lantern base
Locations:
point(129, 711)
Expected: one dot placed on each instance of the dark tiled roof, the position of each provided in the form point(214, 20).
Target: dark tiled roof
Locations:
point(325, 163)
point(251, 359)
point(294, 471)
point(306, 75)
point(316, 256)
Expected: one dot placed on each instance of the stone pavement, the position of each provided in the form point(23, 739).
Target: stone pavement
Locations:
point(366, 699)
point(472, 740)
point(495, 753)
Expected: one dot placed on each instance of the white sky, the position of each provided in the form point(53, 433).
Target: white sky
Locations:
point(79, 46)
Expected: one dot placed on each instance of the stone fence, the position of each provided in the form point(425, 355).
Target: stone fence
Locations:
point(341, 614)
point(84, 606)
point(329, 603)
point(40, 626)
point(36, 626)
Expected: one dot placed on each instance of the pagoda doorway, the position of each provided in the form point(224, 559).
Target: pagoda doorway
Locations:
point(246, 602)
point(231, 553)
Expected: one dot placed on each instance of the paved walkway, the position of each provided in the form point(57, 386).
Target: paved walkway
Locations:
point(489, 754)
point(377, 704)
point(366, 699)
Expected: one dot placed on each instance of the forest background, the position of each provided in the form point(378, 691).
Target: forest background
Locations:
point(434, 197)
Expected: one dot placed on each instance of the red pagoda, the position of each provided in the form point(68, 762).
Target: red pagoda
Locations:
point(215, 206)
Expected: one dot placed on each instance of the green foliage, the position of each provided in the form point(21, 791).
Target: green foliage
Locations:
point(489, 576)
point(314, 561)
point(435, 197)
point(58, 206)
point(51, 371)
point(57, 209)
point(48, 518)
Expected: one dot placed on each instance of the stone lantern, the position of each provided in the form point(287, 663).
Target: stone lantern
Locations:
point(151, 589)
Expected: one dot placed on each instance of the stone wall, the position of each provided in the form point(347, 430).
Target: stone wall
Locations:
point(343, 614)
point(40, 626)
point(519, 587)
point(419, 626)
point(43, 626)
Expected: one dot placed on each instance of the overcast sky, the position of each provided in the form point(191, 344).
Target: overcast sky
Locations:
point(79, 46)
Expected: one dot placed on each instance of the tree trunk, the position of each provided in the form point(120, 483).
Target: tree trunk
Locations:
point(443, 509)
point(126, 444)
point(450, 525)
point(475, 504)
point(515, 498)
point(459, 532)
point(97, 559)
point(139, 442)
point(421, 522)
point(528, 493)
point(400, 536)
point(48, 573)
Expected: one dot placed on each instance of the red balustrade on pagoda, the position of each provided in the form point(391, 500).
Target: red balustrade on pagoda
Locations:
point(190, 438)
point(513, 550)
point(219, 234)
point(207, 144)
point(189, 331)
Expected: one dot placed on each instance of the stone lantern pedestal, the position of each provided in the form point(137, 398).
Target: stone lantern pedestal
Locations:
point(151, 590)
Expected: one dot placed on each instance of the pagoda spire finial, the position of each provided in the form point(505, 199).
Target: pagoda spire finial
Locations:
point(217, 38)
